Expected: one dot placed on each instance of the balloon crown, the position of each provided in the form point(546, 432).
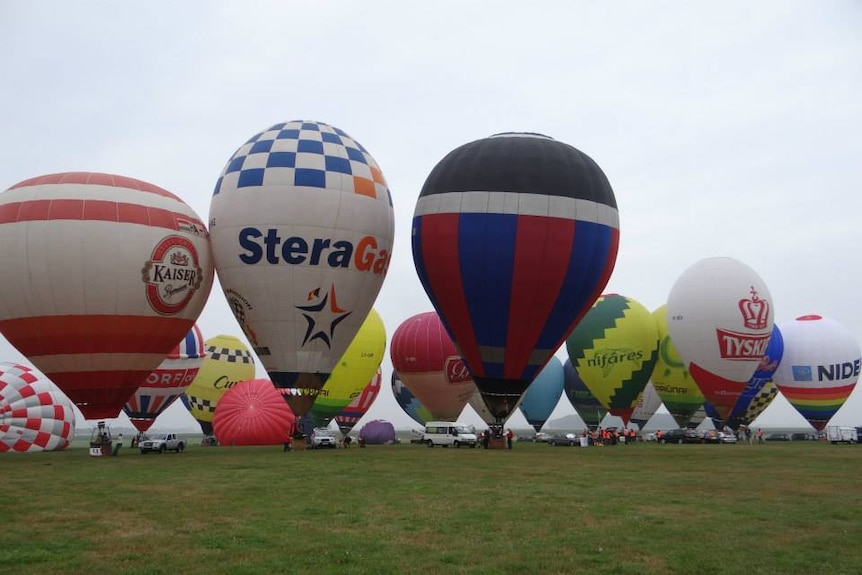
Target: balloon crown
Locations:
point(755, 311)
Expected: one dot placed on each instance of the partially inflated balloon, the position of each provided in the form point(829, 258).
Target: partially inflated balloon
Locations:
point(350, 415)
point(427, 362)
point(34, 414)
point(614, 350)
point(820, 367)
point(582, 399)
point(165, 384)
point(751, 401)
point(676, 388)
point(302, 227)
point(514, 237)
point(409, 402)
point(759, 403)
point(102, 276)
point(357, 366)
point(720, 319)
point(544, 393)
point(253, 413)
point(227, 362)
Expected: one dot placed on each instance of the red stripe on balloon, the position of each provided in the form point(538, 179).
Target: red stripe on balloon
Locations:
point(838, 392)
point(722, 393)
point(537, 276)
point(99, 394)
point(95, 179)
point(439, 240)
point(94, 210)
point(77, 334)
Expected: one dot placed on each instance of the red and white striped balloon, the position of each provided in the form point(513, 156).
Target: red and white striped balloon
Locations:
point(102, 276)
point(34, 414)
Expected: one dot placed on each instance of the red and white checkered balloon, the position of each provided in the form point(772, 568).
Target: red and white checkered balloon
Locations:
point(34, 414)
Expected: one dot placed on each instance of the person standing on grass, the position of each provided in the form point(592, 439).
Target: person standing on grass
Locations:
point(759, 435)
point(117, 445)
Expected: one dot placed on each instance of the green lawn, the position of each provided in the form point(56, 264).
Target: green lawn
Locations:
point(646, 509)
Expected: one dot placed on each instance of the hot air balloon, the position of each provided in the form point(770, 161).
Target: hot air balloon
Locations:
point(165, 384)
point(820, 367)
point(253, 413)
point(350, 415)
point(675, 386)
point(582, 399)
point(751, 401)
point(614, 349)
point(408, 402)
point(646, 405)
point(102, 276)
point(377, 432)
point(720, 319)
point(514, 237)
point(544, 393)
point(427, 362)
point(34, 413)
point(302, 227)
point(477, 402)
point(227, 362)
point(350, 377)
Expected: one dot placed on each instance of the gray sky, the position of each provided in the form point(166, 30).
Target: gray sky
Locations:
point(725, 128)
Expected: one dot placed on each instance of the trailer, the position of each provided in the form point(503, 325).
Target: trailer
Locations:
point(840, 434)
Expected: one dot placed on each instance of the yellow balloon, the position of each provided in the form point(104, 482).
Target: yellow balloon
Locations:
point(677, 389)
point(228, 361)
point(353, 371)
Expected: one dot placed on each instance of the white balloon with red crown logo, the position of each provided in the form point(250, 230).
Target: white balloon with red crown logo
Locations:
point(720, 318)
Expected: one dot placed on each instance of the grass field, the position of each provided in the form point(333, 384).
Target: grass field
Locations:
point(646, 509)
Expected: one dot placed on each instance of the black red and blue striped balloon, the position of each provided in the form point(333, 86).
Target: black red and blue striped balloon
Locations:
point(514, 238)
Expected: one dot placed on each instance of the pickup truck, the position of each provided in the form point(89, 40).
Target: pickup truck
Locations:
point(161, 442)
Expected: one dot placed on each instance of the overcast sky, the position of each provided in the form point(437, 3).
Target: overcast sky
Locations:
point(725, 128)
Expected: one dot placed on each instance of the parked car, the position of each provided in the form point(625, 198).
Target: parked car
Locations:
point(541, 437)
point(682, 436)
point(726, 437)
point(322, 438)
point(711, 436)
point(778, 437)
point(566, 439)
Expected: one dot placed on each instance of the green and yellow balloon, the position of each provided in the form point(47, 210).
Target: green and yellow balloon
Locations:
point(353, 371)
point(614, 350)
point(678, 390)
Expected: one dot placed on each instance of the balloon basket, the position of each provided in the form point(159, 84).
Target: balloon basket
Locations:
point(498, 443)
point(299, 444)
point(100, 449)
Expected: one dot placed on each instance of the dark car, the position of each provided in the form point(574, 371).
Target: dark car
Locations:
point(778, 437)
point(566, 439)
point(682, 436)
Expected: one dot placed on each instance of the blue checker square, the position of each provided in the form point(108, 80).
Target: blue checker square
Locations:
point(235, 164)
point(218, 185)
point(291, 134)
point(252, 177)
point(331, 138)
point(261, 146)
point(341, 165)
point(281, 160)
point(310, 146)
point(311, 178)
point(355, 155)
point(311, 126)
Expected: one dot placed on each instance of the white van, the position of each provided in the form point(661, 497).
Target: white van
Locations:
point(448, 433)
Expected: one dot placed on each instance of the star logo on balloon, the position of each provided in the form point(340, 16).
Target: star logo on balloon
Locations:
point(322, 317)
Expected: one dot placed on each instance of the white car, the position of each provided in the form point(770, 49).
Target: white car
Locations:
point(725, 437)
point(323, 438)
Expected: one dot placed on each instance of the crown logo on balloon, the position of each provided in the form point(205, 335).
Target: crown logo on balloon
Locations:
point(755, 311)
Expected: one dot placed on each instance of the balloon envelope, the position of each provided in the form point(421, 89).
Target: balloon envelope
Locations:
point(820, 367)
point(427, 362)
point(253, 413)
point(350, 415)
point(355, 369)
point(646, 405)
point(168, 382)
point(514, 237)
point(34, 413)
point(409, 402)
point(614, 349)
point(302, 228)
point(227, 362)
point(720, 319)
point(582, 399)
point(752, 402)
point(102, 276)
point(377, 432)
point(670, 378)
point(544, 393)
